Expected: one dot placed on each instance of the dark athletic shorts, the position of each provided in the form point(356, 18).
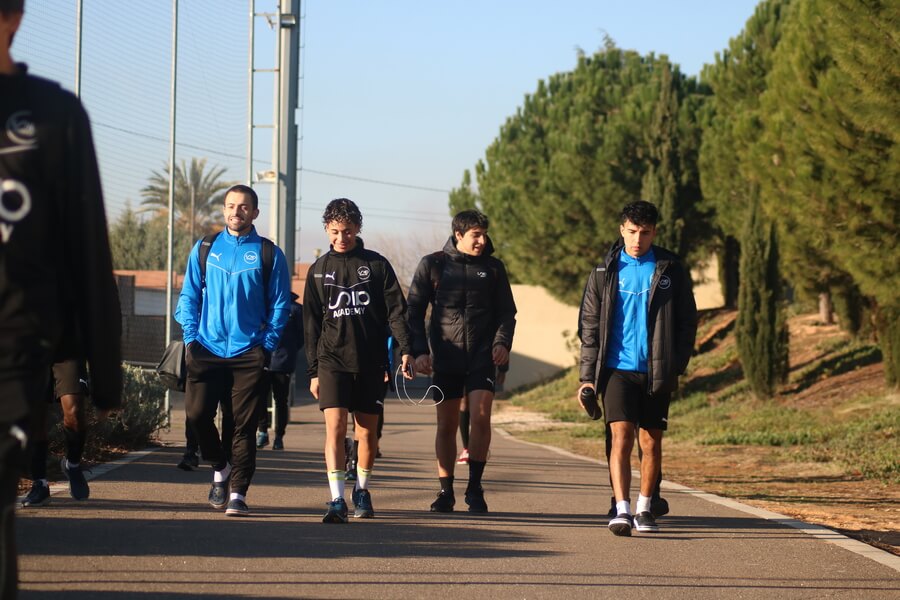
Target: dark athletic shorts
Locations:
point(625, 398)
point(69, 377)
point(362, 392)
point(456, 385)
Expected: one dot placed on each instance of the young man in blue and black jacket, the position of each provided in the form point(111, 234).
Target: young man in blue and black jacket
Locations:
point(637, 325)
point(232, 319)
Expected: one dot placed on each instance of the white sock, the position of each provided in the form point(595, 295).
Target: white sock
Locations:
point(220, 476)
point(336, 483)
point(643, 504)
point(362, 478)
point(623, 507)
point(236, 496)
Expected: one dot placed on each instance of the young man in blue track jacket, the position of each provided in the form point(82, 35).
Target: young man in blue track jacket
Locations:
point(231, 324)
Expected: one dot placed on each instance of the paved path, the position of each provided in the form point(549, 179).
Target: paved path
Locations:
point(147, 532)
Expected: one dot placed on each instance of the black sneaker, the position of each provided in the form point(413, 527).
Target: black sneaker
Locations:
point(262, 439)
point(218, 493)
point(38, 496)
point(444, 503)
point(612, 508)
point(350, 474)
point(78, 485)
point(337, 511)
point(362, 500)
point(621, 524)
point(644, 521)
point(348, 453)
point(189, 461)
point(475, 500)
point(658, 507)
point(237, 508)
point(278, 443)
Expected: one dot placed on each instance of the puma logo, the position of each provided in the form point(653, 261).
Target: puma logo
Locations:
point(216, 256)
point(330, 275)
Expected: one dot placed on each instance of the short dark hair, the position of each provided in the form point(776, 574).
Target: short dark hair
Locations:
point(467, 219)
point(241, 189)
point(11, 7)
point(641, 213)
point(342, 210)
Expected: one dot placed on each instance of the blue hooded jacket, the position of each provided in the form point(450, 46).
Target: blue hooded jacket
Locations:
point(234, 313)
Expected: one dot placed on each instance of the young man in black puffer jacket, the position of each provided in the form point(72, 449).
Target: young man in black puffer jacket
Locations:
point(473, 317)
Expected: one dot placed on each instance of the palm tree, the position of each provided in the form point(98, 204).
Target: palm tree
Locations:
point(198, 195)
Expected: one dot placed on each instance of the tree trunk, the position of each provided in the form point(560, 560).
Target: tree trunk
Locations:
point(826, 310)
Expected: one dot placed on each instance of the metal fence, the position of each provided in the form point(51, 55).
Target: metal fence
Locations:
point(118, 56)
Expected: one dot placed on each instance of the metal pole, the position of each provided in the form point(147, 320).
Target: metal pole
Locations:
point(79, 17)
point(171, 227)
point(275, 207)
point(288, 72)
point(251, 42)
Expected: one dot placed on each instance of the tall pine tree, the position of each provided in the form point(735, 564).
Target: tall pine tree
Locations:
point(761, 327)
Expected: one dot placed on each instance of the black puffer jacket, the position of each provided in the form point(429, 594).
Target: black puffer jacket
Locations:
point(58, 297)
point(472, 308)
point(671, 324)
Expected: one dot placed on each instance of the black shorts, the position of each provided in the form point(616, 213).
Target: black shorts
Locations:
point(625, 398)
point(69, 377)
point(456, 385)
point(357, 392)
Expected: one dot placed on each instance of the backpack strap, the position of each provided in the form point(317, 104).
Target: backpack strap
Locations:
point(268, 261)
point(205, 246)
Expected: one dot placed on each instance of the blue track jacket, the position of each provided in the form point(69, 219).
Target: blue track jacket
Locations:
point(628, 339)
point(235, 313)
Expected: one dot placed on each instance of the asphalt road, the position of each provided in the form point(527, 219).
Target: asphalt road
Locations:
point(148, 532)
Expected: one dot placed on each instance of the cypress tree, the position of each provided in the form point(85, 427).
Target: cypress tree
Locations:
point(761, 328)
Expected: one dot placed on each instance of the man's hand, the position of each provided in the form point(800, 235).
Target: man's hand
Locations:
point(423, 364)
point(408, 366)
point(500, 355)
point(314, 387)
point(578, 394)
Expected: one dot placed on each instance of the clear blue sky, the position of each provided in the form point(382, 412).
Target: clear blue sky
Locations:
point(400, 91)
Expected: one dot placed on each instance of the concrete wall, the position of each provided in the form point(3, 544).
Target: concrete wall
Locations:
point(539, 346)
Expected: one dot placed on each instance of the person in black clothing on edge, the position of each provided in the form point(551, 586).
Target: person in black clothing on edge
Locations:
point(473, 318)
point(351, 298)
point(637, 325)
point(58, 297)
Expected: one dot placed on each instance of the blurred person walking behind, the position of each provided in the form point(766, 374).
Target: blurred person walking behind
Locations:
point(277, 378)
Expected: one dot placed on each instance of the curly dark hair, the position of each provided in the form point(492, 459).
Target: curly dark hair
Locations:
point(641, 213)
point(10, 7)
point(468, 219)
point(342, 210)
